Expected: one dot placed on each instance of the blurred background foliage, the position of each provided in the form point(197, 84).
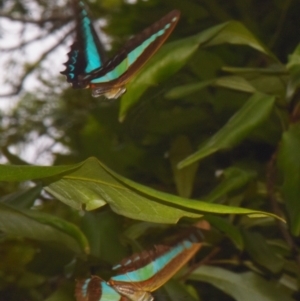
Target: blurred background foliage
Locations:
point(259, 168)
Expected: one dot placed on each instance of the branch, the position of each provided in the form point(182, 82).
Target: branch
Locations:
point(19, 87)
point(37, 38)
point(39, 22)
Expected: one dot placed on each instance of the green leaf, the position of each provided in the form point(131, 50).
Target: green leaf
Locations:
point(271, 80)
point(175, 290)
point(228, 228)
point(175, 55)
point(233, 178)
point(255, 111)
point(184, 178)
point(231, 82)
point(236, 33)
point(289, 164)
point(18, 173)
point(277, 69)
point(23, 199)
point(101, 228)
point(242, 287)
point(93, 185)
point(294, 60)
point(166, 62)
point(237, 83)
point(137, 229)
point(261, 252)
point(184, 90)
point(293, 66)
point(41, 226)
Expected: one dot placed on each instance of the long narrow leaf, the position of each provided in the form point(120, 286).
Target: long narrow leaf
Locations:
point(255, 111)
point(242, 287)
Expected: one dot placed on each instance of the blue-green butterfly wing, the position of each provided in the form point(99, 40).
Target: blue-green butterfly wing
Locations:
point(149, 270)
point(142, 273)
point(87, 53)
point(135, 53)
point(96, 289)
point(87, 67)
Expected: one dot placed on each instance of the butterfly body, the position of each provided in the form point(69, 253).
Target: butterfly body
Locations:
point(88, 68)
point(141, 273)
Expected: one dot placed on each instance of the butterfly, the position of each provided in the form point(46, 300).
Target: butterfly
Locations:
point(87, 67)
point(142, 273)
